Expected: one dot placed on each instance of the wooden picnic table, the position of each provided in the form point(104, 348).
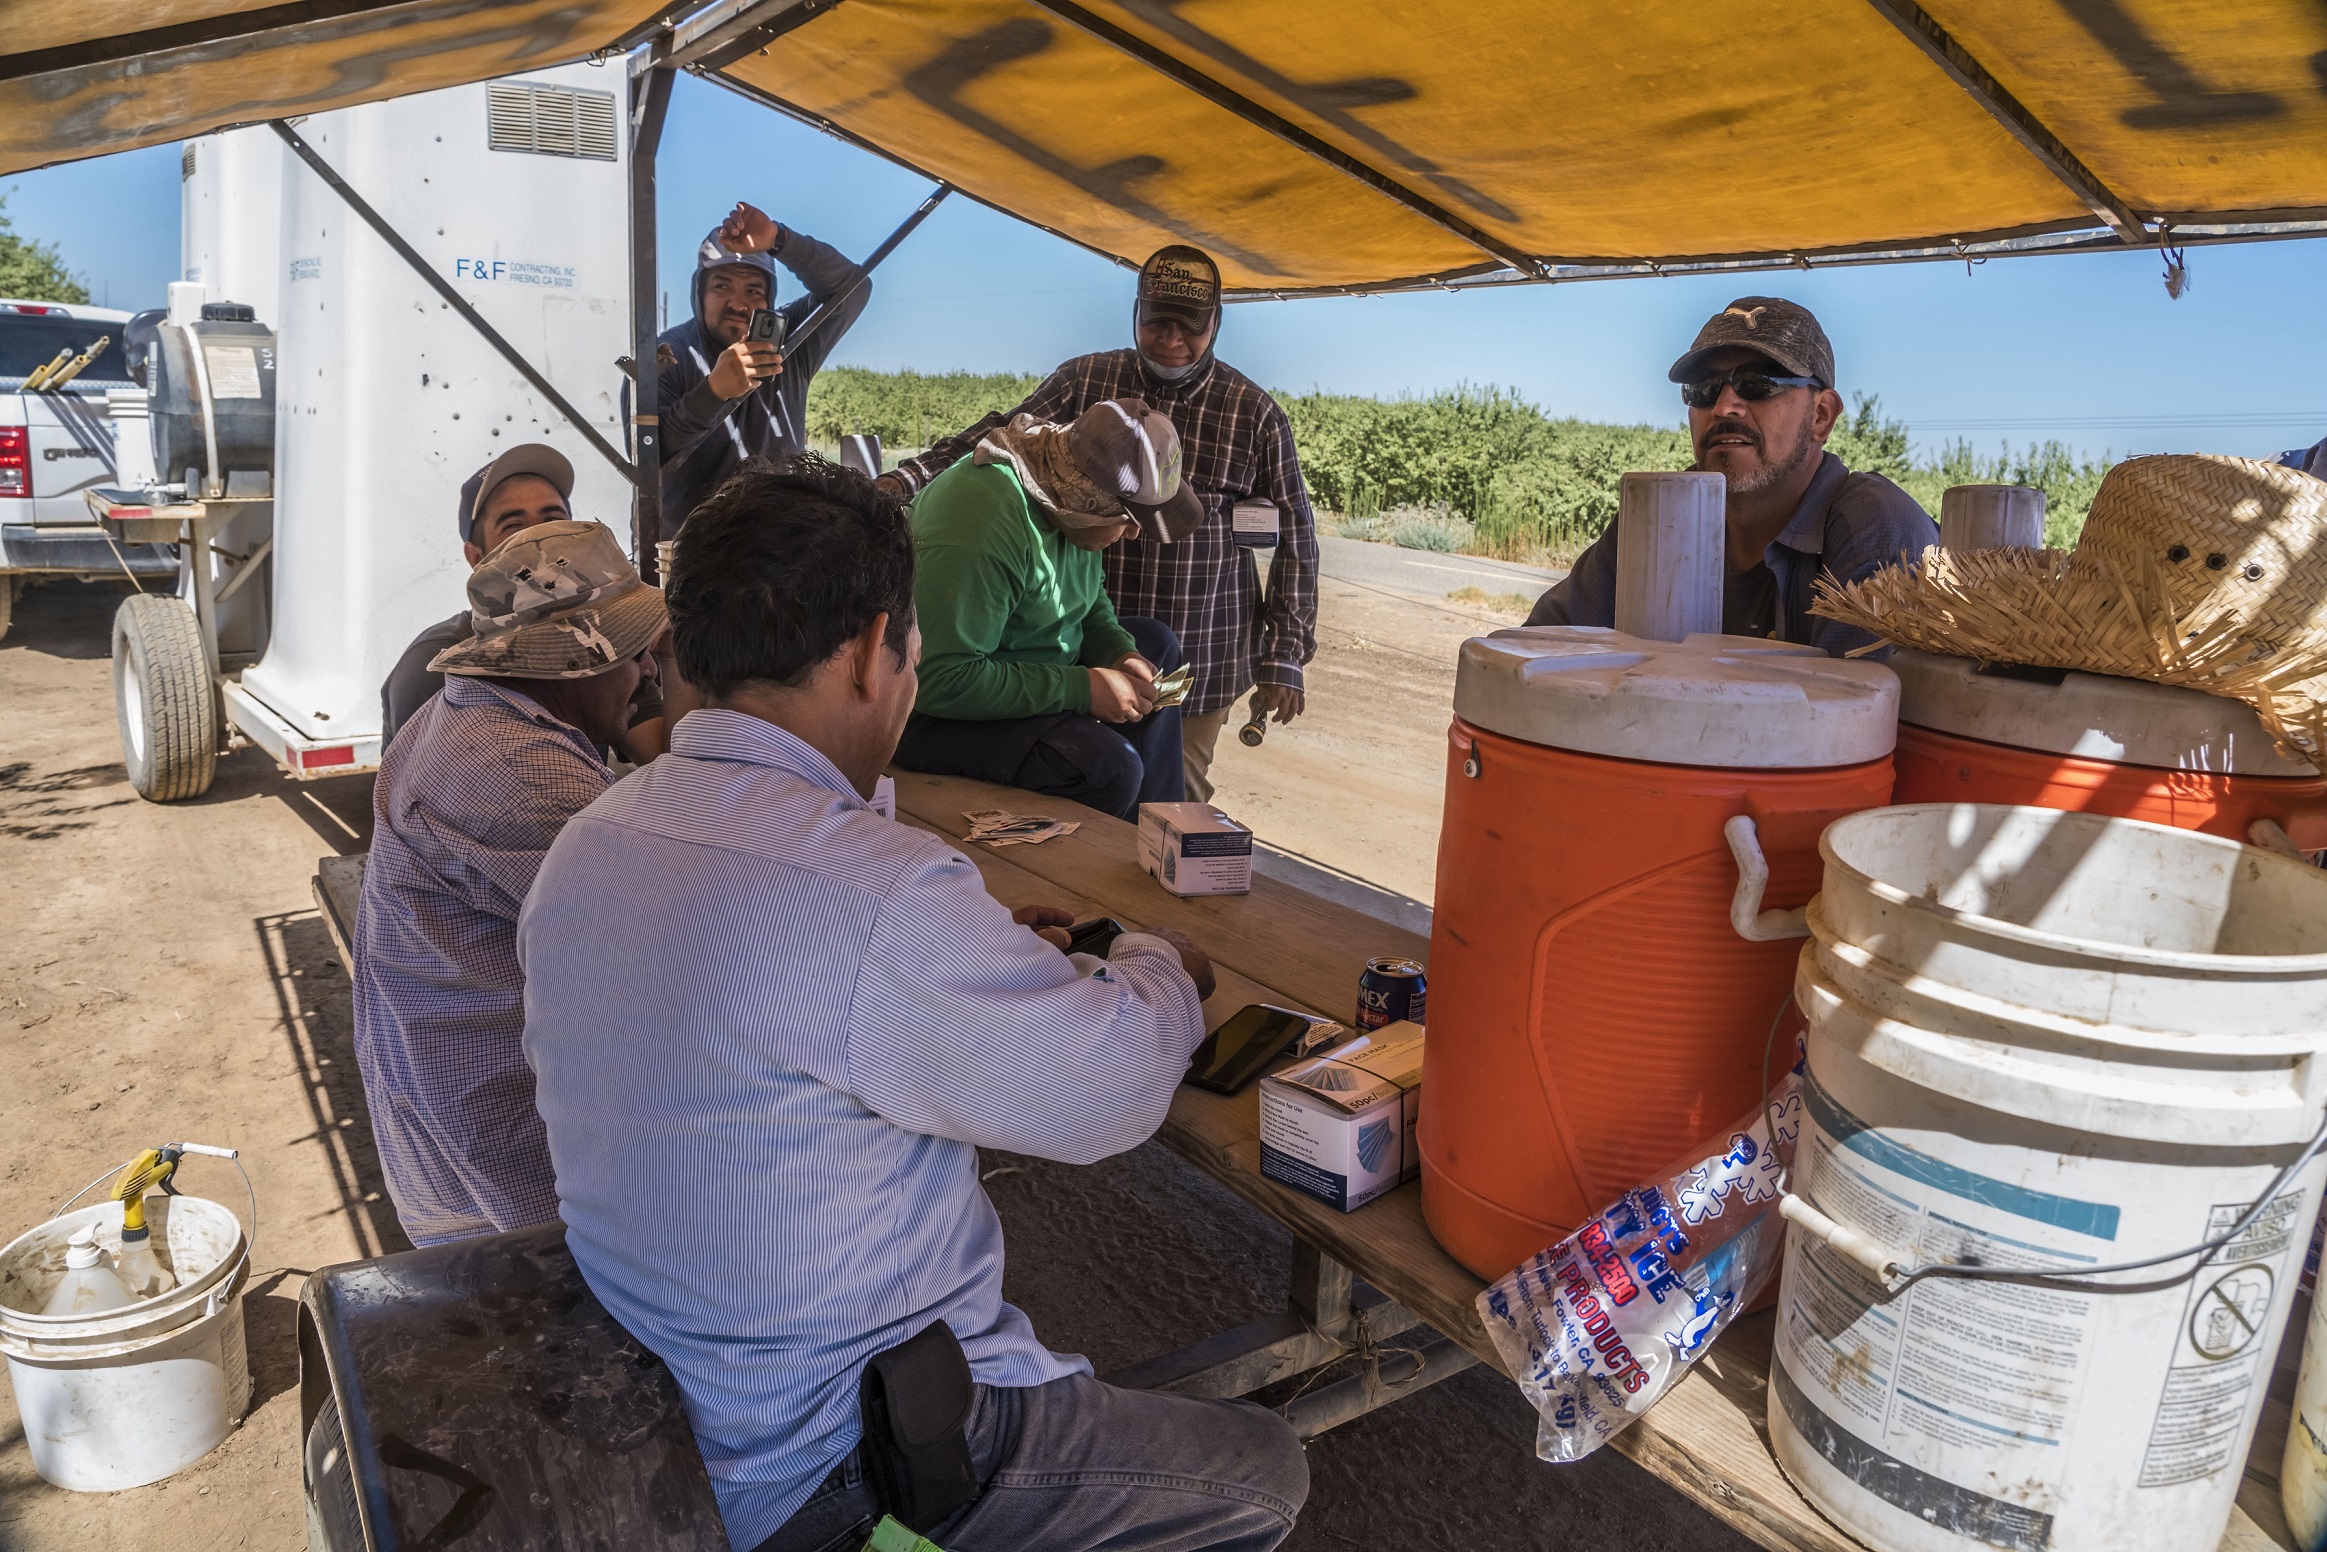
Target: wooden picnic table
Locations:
point(1708, 1437)
point(1282, 945)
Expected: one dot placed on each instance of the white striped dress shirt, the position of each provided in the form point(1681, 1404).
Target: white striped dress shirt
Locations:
point(770, 1030)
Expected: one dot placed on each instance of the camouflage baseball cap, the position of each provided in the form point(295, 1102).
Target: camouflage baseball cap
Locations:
point(1784, 331)
point(558, 601)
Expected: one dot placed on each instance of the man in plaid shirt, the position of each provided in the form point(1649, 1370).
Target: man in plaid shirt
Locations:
point(1237, 450)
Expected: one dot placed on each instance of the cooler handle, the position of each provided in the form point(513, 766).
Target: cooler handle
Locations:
point(1754, 924)
point(2270, 835)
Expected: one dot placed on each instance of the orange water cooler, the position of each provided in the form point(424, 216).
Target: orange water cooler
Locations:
point(2096, 744)
point(1594, 1008)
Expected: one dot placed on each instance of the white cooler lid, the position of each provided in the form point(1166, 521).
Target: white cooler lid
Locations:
point(2098, 716)
point(1710, 700)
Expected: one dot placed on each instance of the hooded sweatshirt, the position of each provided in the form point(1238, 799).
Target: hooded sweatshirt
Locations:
point(707, 438)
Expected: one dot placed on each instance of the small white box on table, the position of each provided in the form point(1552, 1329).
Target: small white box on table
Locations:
point(1340, 1127)
point(1194, 849)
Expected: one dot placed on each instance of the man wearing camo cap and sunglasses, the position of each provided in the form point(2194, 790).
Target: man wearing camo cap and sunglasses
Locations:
point(468, 799)
point(1759, 386)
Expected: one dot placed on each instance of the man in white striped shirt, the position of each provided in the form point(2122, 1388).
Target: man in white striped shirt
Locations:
point(764, 1113)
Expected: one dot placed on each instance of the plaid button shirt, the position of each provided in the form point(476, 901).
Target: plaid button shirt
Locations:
point(1235, 443)
point(468, 799)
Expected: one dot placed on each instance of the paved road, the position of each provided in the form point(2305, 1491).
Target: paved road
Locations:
point(1423, 574)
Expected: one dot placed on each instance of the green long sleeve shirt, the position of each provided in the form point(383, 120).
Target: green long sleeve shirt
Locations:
point(1011, 613)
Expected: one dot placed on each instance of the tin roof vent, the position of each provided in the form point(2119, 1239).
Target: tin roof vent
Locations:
point(550, 120)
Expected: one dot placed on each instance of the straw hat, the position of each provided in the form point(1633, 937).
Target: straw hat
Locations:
point(2225, 533)
point(2195, 570)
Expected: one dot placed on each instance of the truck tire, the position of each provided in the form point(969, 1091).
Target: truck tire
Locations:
point(8, 589)
point(163, 699)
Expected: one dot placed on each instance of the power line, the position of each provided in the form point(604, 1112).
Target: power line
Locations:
point(2120, 422)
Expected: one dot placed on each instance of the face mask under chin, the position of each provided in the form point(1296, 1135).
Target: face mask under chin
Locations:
point(1170, 374)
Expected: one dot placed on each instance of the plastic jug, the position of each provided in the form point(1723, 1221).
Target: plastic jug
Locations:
point(89, 1286)
point(1594, 1009)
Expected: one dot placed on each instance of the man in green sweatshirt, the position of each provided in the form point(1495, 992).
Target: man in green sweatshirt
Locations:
point(1027, 677)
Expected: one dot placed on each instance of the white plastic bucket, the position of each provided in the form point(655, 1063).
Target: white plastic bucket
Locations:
point(129, 1396)
point(2039, 1037)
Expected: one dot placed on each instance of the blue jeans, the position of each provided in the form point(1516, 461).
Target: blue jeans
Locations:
point(1071, 754)
point(1076, 1464)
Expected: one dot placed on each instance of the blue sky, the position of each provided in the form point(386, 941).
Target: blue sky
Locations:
point(2089, 349)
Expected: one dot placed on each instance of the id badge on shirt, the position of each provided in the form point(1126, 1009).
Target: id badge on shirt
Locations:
point(1255, 522)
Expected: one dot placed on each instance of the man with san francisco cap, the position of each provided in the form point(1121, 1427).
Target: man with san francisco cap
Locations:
point(1028, 677)
point(1759, 386)
point(1240, 459)
point(469, 797)
point(527, 484)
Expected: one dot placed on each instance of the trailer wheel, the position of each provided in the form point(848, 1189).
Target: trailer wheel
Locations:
point(162, 698)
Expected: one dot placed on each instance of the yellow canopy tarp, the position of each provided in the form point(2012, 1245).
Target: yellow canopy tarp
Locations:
point(1328, 144)
point(1517, 132)
point(86, 77)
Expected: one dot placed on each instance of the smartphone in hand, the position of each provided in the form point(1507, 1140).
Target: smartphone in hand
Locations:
point(1095, 936)
point(767, 327)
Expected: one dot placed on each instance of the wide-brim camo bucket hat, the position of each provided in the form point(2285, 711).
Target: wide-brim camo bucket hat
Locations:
point(558, 601)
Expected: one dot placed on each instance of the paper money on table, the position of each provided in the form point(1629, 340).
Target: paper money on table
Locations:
point(996, 827)
point(1172, 688)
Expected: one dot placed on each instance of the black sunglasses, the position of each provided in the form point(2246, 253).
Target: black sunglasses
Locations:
point(1753, 384)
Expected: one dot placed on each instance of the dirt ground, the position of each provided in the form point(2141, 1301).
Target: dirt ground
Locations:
point(163, 975)
point(1374, 735)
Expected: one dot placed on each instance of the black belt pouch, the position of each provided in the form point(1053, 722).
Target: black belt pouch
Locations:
point(916, 1402)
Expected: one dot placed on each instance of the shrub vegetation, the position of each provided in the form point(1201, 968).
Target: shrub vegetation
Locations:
point(1473, 469)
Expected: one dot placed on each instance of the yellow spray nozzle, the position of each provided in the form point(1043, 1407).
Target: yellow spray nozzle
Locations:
point(153, 1167)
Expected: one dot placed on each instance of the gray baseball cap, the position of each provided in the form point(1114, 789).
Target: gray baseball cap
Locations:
point(558, 601)
point(1132, 452)
point(536, 458)
point(1781, 330)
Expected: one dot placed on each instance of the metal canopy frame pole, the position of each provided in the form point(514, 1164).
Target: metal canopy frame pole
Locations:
point(1959, 65)
point(651, 99)
point(1292, 134)
point(718, 35)
point(452, 298)
point(872, 262)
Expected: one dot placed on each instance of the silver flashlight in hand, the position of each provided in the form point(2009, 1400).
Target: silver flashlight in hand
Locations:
point(1255, 729)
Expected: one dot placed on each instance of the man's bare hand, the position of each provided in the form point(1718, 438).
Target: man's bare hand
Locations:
point(748, 229)
point(1137, 667)
point(743, 366)
point(1278, 701)
point(1048, 921)
point(1117, 696)
point(1194, 960)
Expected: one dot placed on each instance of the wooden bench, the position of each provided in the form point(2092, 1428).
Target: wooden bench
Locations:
point(1373, 1273)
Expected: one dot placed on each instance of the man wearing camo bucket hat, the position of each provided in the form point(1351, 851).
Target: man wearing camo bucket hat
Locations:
point(468, 799)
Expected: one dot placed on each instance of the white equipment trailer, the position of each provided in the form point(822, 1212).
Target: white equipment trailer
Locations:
point(314, 546)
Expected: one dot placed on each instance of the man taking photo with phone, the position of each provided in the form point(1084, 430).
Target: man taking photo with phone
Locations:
point(727, 397)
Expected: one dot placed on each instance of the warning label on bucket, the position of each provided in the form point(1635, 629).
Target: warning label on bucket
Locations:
point(1929, 1399)
point(2218, 1348)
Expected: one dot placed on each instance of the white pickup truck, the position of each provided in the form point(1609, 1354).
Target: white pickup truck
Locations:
point(57, 439)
